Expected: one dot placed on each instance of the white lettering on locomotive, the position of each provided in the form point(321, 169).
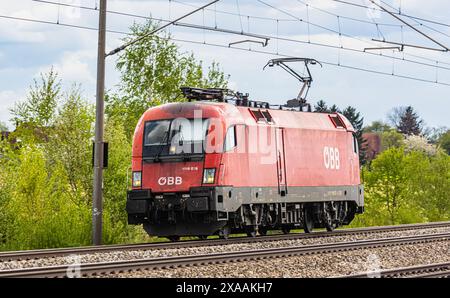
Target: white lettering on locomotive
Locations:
point(331, 158)
point(170, 180)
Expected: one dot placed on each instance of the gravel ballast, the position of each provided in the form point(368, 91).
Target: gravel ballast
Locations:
point(158, 253)
point(368, 261)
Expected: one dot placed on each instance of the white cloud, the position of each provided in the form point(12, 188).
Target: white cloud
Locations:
point(74, 67)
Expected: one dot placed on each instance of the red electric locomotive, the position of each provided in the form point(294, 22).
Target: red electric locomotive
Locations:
point(212, 167)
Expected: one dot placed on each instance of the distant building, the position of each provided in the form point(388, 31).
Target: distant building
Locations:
point(372, 145)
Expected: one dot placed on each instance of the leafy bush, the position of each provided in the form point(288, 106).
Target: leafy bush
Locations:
point(404, 186)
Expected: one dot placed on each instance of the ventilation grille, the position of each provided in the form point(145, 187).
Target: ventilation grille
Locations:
point(338, 123)
point(262, 116)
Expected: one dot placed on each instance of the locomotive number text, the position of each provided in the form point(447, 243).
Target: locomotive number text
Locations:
point(331, 158)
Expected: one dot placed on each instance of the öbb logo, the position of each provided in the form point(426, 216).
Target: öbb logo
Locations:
point(170, 180)
point(331, 158)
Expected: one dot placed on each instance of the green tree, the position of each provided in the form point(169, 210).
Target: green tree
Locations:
point(429, 184)
point(70, 144)
point(321, 107)
point(44, 215)
point(433, 134)
point(420, 144)
point(386, 183)
point(6, 189)
point(410, 123)
point(39, 108)
point(34, 116)
point(394, 116)
point(438, 187)
point(391, 139)
point(404, 186)
point(334, 109)
point(377, 127)
point(152, 72)
point(3, 127)
point(444, 142)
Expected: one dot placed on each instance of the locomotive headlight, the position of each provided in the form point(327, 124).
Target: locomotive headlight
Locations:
point(137, 179)
point(208, 176)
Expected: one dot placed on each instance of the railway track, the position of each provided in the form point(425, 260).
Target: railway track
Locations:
point(107, 268)
point(61, 252)
point(423, 271)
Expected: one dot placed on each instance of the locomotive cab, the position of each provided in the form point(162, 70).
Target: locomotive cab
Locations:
point(176, 159)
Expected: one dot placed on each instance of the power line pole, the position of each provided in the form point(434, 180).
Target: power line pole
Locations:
point(97, 199)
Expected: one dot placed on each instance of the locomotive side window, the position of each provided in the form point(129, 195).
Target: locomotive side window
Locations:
point(156, 132)
point(230, 139)
point(355, 144)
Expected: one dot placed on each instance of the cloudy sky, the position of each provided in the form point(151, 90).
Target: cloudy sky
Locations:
point(300, 28)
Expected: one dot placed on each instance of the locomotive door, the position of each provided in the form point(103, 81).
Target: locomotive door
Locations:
point(281, 161)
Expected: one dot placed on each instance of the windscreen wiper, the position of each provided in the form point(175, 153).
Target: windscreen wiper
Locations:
point(180, 143)
point(164, 141)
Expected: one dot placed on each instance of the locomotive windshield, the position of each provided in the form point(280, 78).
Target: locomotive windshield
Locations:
point(174, 137)
point(155, 132)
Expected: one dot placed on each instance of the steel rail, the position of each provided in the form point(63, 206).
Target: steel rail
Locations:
point(61, 252)
point(421, 271)
point(107, 268)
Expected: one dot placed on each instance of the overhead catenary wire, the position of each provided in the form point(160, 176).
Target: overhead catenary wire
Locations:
point(124, 46)
point(415, 20)
point(234, 48)
point(402, 14)
point(276, 37)
point(412, 27)
point(181, 24)
point(317, 25)
point(332, 30)
point(377, 24)
point(340, 1)
point(233, 13)
point(347, 17)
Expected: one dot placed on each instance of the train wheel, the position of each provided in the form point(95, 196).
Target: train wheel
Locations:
point(262, 231)
point(285, 230)
point(308, 221)
point(330, 227)
point(224, 233)
point(251, 232)
point(174, 238)
point(329, 212)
